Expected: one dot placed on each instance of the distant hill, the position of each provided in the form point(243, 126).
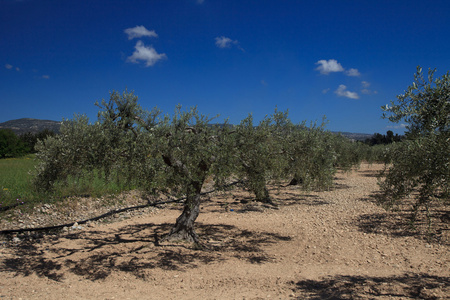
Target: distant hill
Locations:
point(355, 136)
point(21, 126)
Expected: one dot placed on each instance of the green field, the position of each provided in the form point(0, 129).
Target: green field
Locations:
point(16, 184)
point(15, 180)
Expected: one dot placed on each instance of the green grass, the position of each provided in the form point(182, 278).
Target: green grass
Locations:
point(16, 184)
point(91, 184)
point(15, 180)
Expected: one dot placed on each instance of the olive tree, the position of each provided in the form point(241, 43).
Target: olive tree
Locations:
point(259, 152)
point(151, 151)
point(74, 152)
point(192, 150)
point(421, 163)
point(310, 156)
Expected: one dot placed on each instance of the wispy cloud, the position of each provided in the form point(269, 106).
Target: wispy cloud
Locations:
point(365, 84)
point(263, 82)
point(9, 67)
point(45, 77)
point(333, 66)
point(200, 1)
point(145, 54)
point(329, 66)
point(139, 31)
point(353, 72)
point(365, 88)
point(225, 42)
point(343, 92)
point(400, 126)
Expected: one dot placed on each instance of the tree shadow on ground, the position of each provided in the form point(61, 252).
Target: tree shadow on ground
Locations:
point(370, 173)
point(398, 222)
point(29, 259)
point(292, 198)
point(133, 249)
point(340, 186)
point(407, 286)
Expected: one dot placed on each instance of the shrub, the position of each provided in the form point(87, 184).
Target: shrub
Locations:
point(11, 145)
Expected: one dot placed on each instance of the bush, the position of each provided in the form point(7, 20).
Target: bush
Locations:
point(11, 145)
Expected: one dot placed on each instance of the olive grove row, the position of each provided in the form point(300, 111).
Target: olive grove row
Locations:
point(175, 154)
point(161, 153)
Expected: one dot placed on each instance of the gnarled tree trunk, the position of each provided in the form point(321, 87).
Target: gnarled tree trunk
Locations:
point(184, 226)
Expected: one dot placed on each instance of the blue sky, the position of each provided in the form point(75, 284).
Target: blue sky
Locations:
point(342, 59)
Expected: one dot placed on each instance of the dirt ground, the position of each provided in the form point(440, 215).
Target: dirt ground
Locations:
point(336, 244)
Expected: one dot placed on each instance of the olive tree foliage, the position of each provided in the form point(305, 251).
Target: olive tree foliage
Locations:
point(111, 147)
point(129, 152)
point(421, 163)
point(310, 156)
point(77, 150)
point(258, 152)
point(349, 154)
point(278, 150)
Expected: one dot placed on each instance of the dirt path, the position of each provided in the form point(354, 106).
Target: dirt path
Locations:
point(330, 245)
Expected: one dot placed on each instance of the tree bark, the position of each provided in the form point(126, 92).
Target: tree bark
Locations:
point(297, 180)
point(184, 226)
point(262, 195)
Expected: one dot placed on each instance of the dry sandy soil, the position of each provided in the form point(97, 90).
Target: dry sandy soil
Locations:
point(336, 244)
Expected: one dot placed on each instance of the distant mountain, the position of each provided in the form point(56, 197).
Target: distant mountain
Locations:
point(21, 126)
point(355, 136)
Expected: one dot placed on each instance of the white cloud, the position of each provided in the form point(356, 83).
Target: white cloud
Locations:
point(139, 31)
point(146, 54)
point(263, 82)
point(353, 72)
point(9, 67)
point(45, 77)
point(401, 126)
point(224, 42)
point(365, 89)
point(331, 66)
point(328, 66)
point(365, 84)
point(325, 91)
point(343, 92)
